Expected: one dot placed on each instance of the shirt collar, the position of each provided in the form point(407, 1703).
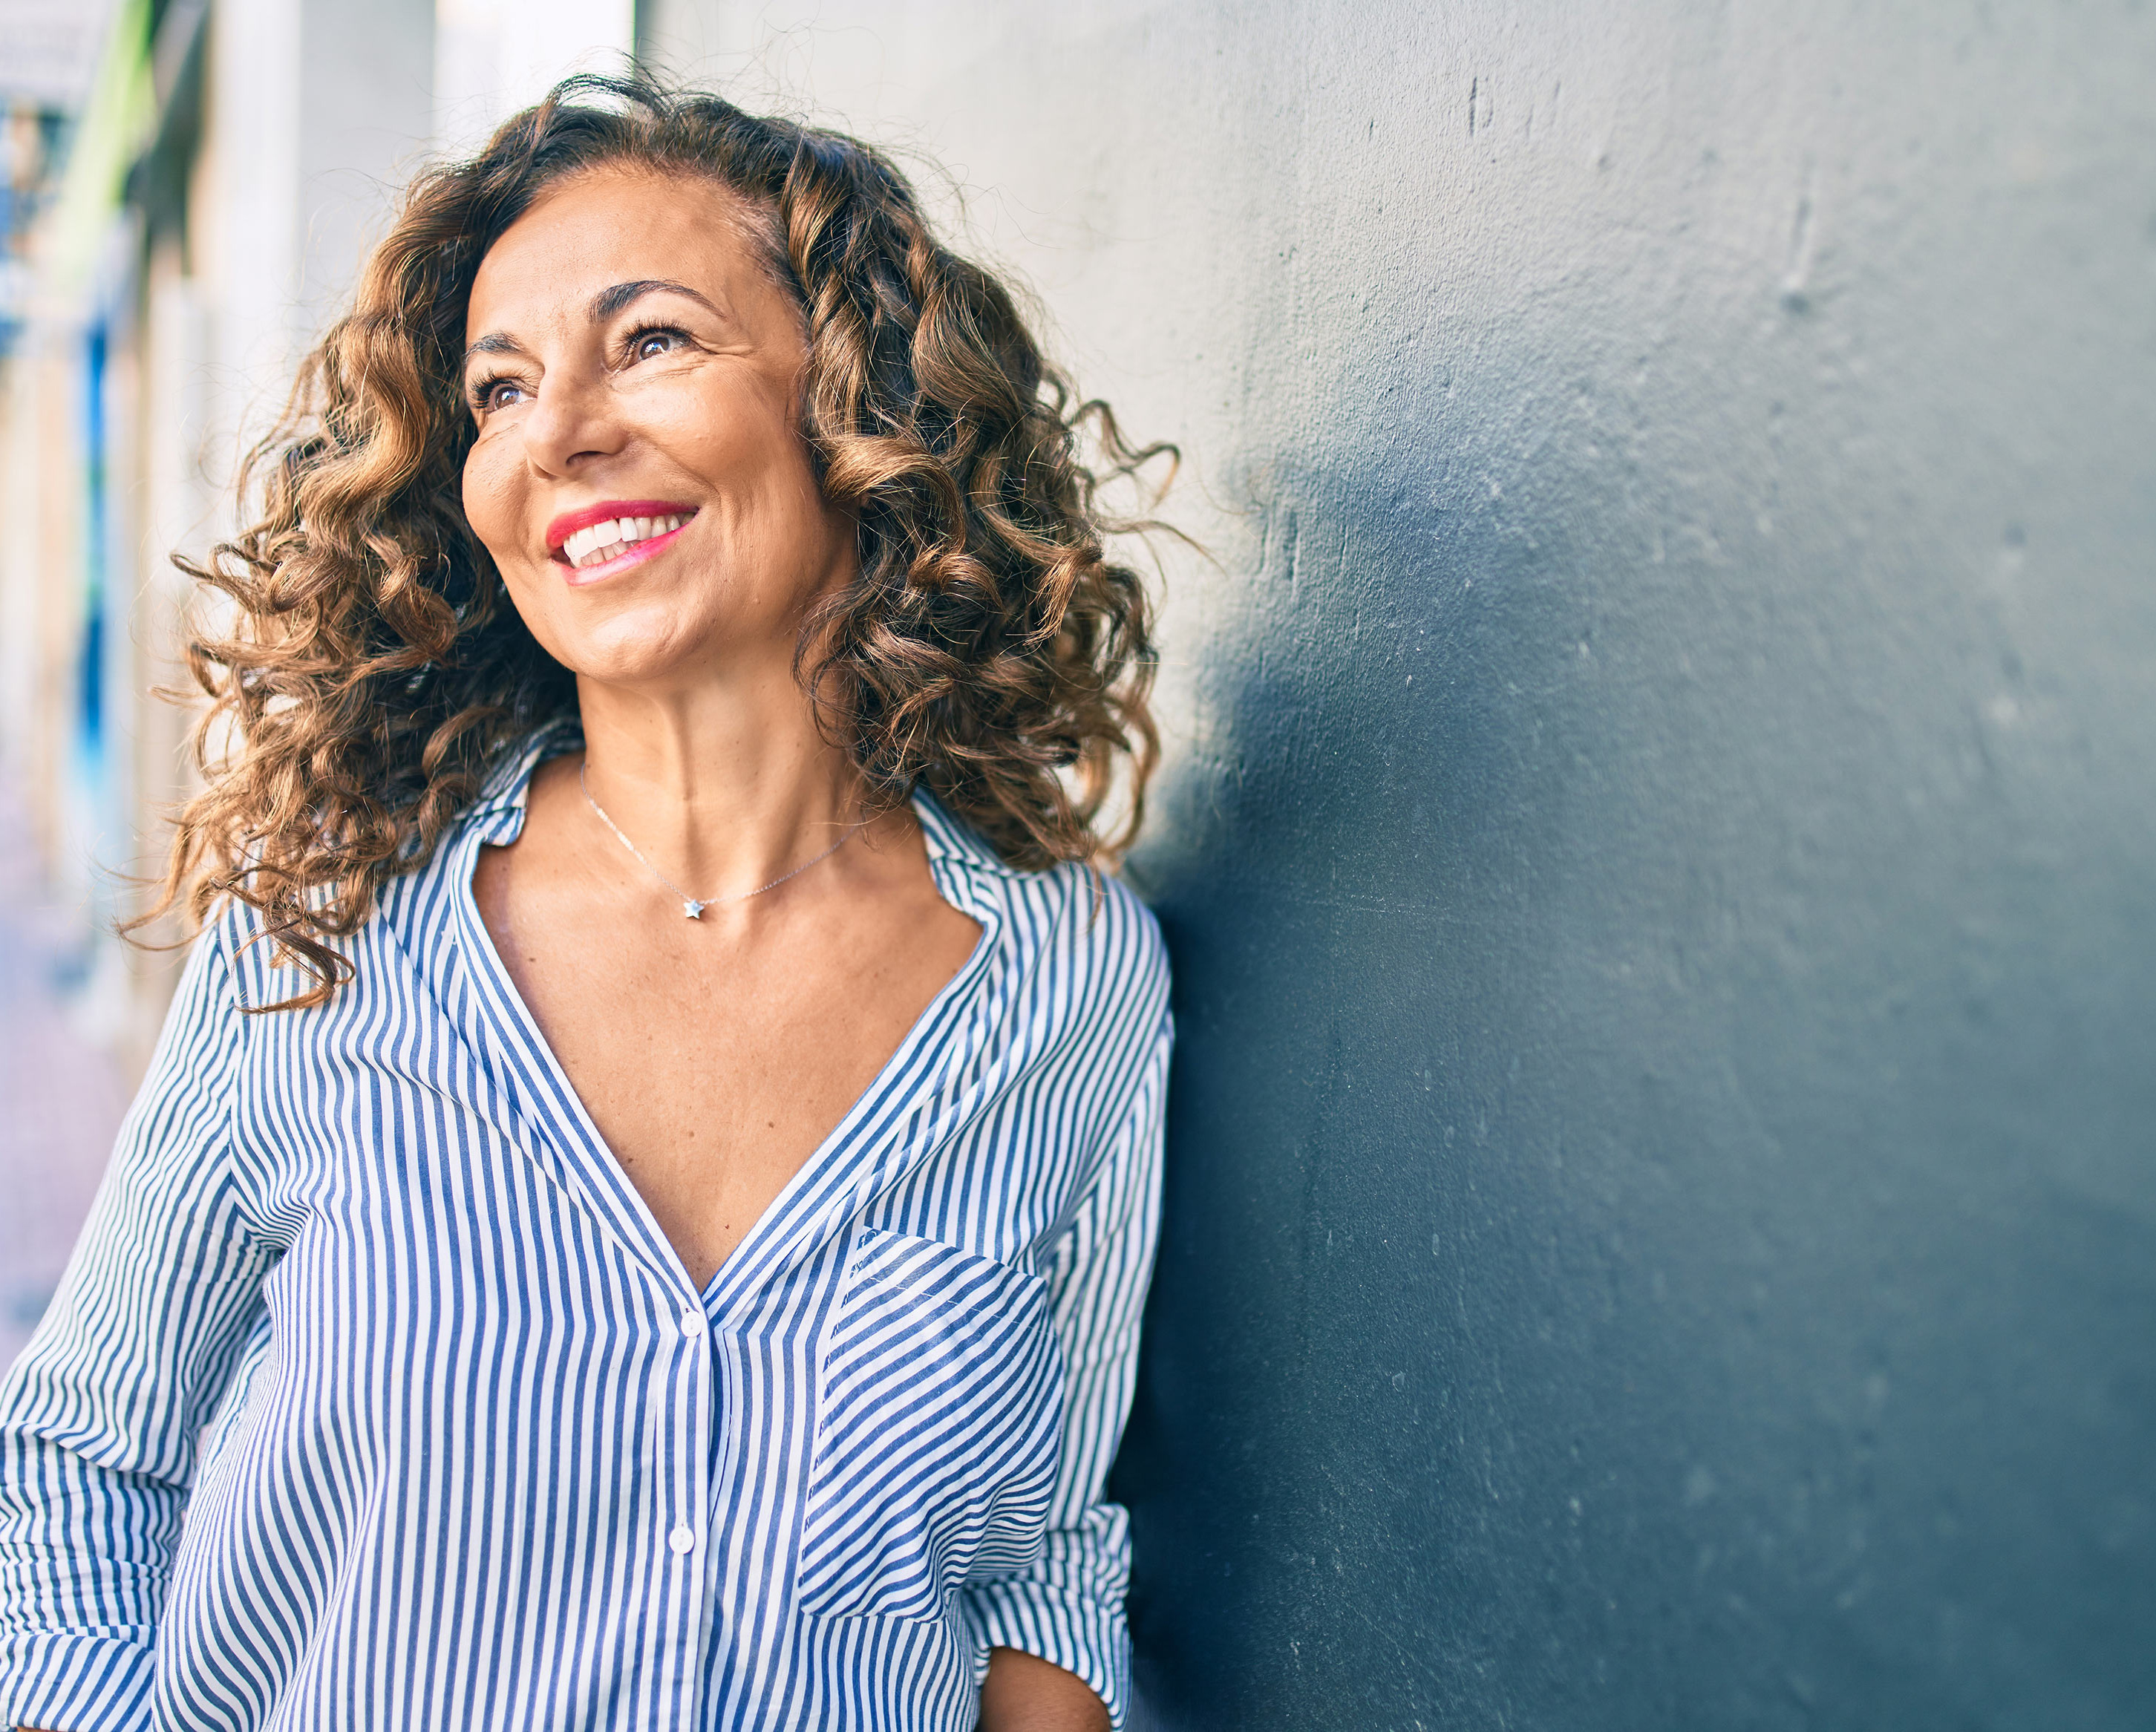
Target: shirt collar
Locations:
point(498, 812)
point(949, 838)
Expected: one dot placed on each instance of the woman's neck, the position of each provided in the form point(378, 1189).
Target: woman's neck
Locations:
point(731, 783)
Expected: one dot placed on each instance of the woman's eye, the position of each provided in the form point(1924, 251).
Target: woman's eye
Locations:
point(497, 393)
point(644, 347)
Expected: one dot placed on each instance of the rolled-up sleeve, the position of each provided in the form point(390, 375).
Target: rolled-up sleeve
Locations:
point(99, 1417)
point(1069, 1607)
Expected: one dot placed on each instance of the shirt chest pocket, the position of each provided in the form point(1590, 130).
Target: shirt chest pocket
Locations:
point(938, 1429)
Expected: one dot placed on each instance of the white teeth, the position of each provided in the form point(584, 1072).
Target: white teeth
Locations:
point(596, 541)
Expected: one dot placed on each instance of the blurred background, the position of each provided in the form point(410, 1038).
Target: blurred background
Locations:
point(188, 190)
point(1658, 837)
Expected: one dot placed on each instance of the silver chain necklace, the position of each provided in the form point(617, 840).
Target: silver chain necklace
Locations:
point(691, 906)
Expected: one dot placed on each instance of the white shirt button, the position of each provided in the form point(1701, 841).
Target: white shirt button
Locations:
point(692, 1322)
point(682, 1540)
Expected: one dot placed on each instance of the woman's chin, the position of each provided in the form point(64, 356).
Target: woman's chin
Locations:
point(642, 650)
point(631, 666)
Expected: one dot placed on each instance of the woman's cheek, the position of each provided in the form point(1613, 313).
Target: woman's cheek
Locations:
point(488, 508)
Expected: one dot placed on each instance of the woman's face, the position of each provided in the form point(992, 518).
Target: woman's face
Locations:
point(638, 474)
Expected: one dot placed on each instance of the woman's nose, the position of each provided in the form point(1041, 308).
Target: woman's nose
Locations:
point(572, 421)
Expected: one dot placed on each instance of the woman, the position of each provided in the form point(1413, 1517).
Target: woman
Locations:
point(640, 1213)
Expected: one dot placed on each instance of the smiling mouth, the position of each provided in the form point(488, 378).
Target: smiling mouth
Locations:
point(597, 543)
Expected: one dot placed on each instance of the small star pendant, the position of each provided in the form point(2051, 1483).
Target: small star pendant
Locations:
point(693, 908)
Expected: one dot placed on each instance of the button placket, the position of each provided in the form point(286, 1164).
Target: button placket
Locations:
point(684, 1468)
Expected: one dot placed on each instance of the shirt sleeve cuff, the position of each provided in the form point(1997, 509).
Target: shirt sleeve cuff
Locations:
point(62, 1683)
point(1061, 1628)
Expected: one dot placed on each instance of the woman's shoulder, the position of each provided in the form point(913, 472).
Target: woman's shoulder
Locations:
point(1093, 947)
point(1088, 917)
point(1110, 924)
point(224, 968)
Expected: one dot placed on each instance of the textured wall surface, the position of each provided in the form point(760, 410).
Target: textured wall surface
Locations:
point(1659, 846)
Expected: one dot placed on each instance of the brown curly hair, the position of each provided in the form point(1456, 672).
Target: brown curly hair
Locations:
point(371, 675)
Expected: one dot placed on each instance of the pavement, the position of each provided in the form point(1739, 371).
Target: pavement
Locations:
point(61, 1093)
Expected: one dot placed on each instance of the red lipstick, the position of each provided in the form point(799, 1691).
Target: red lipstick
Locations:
point(569, 522)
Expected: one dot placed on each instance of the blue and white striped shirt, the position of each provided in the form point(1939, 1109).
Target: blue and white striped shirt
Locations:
point(376, 1398)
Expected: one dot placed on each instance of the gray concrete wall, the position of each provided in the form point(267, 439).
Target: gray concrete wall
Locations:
point(1660, 847)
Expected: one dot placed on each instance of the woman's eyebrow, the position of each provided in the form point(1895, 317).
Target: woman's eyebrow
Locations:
point(605, 305)
point(495, 342)
point(608, 302)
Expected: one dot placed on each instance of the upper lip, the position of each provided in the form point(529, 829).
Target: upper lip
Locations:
point(569, 522)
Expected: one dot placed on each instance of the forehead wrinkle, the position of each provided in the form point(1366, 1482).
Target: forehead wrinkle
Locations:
point(748, 224)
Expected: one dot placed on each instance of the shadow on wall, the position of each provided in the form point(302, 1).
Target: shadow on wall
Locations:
point(1624, 1263)
point(1350, 1256)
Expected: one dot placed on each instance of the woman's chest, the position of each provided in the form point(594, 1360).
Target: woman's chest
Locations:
point(432, 1165)
point(441, 1245)
point(714, 1057)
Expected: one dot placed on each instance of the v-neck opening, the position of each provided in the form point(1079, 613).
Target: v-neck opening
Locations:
point(946, 872)
point(826, 1152)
